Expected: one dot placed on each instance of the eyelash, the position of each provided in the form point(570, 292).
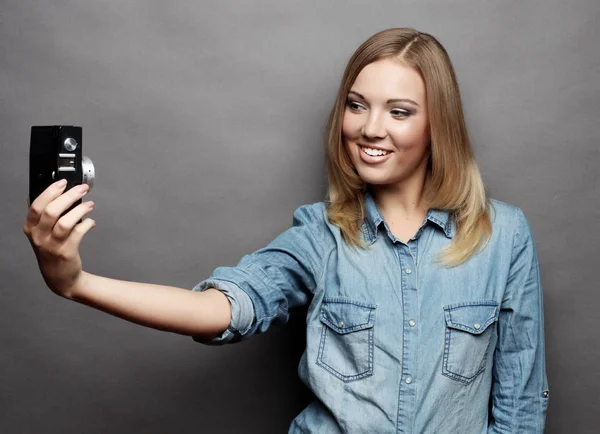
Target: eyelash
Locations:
point(402, 113)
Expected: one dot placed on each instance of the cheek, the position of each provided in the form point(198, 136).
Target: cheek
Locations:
point(346, 145)
point(413, 133)
point(349, 126)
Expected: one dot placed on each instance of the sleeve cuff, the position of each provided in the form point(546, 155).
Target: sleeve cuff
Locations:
point(242, 311)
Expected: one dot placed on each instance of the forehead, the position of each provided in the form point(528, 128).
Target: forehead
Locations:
point(387, 78)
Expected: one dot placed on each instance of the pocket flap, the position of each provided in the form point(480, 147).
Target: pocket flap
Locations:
point(473, 317)
point(345, 316)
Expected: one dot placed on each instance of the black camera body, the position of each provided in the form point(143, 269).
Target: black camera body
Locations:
point(55, 153)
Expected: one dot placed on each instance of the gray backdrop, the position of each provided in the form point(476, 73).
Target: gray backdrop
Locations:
point(204, 121)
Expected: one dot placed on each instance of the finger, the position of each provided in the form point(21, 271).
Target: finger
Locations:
point(74, 240)
point(66, 223)
point(39, 204)
point(59, 205)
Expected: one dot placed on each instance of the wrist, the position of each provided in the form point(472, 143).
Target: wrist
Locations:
point(78, 286)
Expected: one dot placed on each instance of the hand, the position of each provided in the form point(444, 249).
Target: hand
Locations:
point(55, 239)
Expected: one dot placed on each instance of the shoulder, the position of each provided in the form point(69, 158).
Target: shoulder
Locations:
point(508, 218)
point(311, 213)
point(312, 217)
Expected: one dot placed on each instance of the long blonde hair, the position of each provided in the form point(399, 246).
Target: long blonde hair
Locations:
point(453, 181)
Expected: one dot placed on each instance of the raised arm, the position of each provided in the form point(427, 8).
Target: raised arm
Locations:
point(168, 308)
point(55, 239)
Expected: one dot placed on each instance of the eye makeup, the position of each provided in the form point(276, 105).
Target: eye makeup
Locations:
point(396, 111)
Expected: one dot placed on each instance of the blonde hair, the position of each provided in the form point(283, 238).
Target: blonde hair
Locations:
point(453, 181)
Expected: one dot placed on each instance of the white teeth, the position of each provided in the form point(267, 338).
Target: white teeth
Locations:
point(374, 152)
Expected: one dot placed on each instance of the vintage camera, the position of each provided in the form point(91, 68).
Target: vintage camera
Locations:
point(55, 153)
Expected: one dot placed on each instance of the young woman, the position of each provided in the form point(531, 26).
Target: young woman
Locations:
point(425, 304)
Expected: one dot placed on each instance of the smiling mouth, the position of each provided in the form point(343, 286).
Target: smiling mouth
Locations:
point(373, 152)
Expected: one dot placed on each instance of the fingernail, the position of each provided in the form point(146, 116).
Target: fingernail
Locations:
point(61, 183)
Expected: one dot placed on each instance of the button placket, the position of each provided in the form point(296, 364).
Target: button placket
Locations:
point(410, 305)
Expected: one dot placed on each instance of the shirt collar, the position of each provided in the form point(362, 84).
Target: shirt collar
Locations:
point(373, 219)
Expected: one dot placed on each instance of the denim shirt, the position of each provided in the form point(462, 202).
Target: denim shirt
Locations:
point(395, 343)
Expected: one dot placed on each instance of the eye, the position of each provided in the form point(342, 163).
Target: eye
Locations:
point(352, 105)
point(401, 113)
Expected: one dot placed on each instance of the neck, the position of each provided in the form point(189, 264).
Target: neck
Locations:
point(403, 200)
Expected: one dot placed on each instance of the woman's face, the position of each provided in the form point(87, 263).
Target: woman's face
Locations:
point(386, 113)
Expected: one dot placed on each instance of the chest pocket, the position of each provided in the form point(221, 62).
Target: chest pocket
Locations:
point(346, 347)
point(470, 327)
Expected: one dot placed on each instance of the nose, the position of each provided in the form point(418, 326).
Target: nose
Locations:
point(373, 126)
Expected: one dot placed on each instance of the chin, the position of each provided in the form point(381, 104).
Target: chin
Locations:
point(374, 179)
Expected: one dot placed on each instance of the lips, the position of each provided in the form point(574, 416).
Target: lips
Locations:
point(379, 148)
point(370, 159)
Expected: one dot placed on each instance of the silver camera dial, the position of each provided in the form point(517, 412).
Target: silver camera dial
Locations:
point(88, 172)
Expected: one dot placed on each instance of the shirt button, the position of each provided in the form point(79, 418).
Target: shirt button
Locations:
point(477, 326)
point(411, 323)
point(545, 394)
point(408, 271)
point(408, 380)
point(341, 324)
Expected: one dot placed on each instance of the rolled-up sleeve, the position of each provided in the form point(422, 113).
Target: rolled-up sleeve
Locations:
point(520, 392)
point(242, 312)
point(265, 284)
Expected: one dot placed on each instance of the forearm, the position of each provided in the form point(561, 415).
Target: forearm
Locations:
point(203, 314)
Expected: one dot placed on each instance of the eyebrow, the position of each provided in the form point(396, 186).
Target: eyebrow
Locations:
point(389, 101)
